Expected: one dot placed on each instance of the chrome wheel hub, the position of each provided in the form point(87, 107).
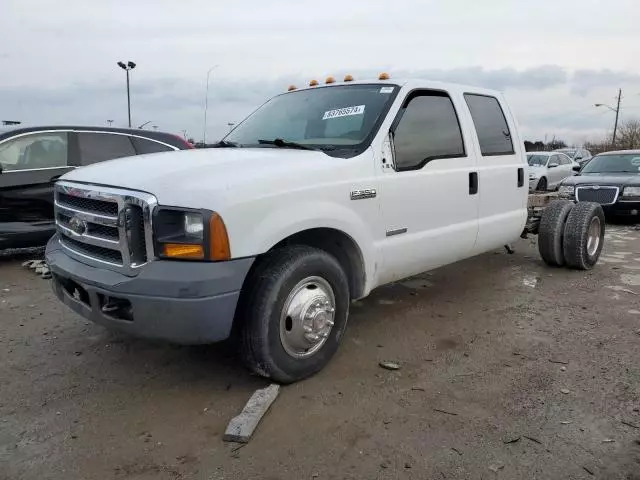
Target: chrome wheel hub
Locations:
point(307, 317)
point(593, 236)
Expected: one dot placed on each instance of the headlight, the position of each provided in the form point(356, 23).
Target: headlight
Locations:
point(631, 192)
point(193, 224)
point(532, 176)
point(566, 190)
point(190, 235)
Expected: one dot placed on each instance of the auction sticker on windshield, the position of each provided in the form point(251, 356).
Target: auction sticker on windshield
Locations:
point(343, 112)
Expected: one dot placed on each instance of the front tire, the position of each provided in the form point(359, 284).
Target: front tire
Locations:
point(294, 311)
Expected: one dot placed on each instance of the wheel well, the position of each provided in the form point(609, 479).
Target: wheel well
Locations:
point(338, 244)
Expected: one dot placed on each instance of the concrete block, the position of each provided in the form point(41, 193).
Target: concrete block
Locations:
point(241, 428)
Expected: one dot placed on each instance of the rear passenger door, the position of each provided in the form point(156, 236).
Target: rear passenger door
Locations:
point(95, 147)
point(428, 199)
point(502, 187)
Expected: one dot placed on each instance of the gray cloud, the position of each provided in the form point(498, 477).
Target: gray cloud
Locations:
point(582, 81)
point(176, 103)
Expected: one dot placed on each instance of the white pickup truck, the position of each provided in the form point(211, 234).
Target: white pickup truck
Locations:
point(321, 195)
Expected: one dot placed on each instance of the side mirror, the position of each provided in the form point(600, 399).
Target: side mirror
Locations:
point(576, 168)
point(552, 165)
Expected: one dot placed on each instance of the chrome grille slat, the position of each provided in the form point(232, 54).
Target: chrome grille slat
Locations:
point(107, 226)
point(91, 240)
point(87, 217)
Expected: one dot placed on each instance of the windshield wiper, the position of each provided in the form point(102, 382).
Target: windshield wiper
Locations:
point(280, 143)
point(224, 144)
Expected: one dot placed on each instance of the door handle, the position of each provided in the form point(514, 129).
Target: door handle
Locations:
point(520, 177)
point(473, 183)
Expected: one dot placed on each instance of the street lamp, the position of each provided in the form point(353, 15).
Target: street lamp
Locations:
point(230, 125)
point(617, 112)
point(206, 104)
point(109, 122)
point(126, 67)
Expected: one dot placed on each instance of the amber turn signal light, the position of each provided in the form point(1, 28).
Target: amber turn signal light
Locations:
point(183, 250)
point(219, 247)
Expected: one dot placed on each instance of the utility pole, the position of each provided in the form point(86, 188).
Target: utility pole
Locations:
point(615, 125)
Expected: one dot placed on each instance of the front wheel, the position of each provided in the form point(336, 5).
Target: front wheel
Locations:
point(294, 312)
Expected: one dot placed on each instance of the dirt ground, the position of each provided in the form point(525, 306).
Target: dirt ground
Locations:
point(510, 370)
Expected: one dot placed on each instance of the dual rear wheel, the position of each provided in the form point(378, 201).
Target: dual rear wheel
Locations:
point(571, 234)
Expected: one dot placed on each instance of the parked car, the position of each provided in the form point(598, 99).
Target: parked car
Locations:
point(547, 170)
point(31, 159)
point(579, 155)
point(611, 179)
point(274, 233)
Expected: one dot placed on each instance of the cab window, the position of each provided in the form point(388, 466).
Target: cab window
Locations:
point(491, 125)
point(427, 129)
point(34, 151)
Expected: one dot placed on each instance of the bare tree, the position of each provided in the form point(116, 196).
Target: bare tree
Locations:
point(628, 136)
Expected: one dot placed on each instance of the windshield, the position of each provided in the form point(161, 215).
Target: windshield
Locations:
point(326, 118)
point(629, 163)
point(568, 151)
point(537, 160)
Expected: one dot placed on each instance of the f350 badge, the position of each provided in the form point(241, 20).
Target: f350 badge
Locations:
point(362, 194)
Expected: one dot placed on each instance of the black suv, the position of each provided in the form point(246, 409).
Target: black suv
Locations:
point(31, 159)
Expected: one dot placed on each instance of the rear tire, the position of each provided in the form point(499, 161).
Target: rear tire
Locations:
point(542, 185)
point(584, 235)
point(551, 232)
point(286, 307)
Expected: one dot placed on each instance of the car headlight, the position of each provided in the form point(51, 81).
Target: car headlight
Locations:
point(190, 235)
point(566, 190)
point(532, 176)
point(631, 192)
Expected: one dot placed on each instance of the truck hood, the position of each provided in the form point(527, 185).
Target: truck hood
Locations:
point(179, 178)
point(614, 179)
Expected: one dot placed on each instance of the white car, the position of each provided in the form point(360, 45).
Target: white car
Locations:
point(547, 170)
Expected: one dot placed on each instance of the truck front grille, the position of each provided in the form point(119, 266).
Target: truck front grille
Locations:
point(105, 226)
point(598, 194)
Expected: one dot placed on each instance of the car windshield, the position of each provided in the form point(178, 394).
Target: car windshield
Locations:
point(623, 163)
point(325, 118)
point(537, 160)
point(568, 151)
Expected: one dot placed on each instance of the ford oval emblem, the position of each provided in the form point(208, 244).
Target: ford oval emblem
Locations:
point(78, 226)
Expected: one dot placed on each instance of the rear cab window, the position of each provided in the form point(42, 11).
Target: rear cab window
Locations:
point(491, 125)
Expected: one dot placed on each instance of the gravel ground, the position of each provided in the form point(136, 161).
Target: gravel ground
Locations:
point(509, 369)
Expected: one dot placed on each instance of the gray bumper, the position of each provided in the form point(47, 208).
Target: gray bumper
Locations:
point(182, 302)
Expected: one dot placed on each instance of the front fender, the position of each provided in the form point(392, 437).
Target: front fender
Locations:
point(297, 217)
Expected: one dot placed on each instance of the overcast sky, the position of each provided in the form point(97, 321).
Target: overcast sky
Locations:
point(553, 58)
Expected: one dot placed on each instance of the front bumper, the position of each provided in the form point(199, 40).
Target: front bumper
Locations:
point(25, 234)
point(623, 208)
point(182, 302)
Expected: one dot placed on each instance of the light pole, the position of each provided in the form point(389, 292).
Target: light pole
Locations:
point(109, 122)
point(126, 67)
point(206, 105)
point(617, 111)
point(231, 125)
